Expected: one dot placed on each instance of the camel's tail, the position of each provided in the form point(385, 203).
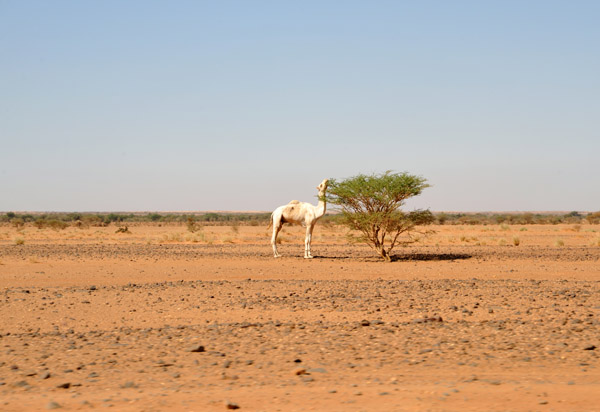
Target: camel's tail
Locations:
point(270, 222)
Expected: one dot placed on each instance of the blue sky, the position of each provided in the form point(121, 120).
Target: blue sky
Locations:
point(245, 105)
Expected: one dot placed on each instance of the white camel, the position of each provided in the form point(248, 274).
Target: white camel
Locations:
point(300, 213)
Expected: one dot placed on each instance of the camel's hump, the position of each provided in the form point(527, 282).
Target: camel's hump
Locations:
point(293, 202)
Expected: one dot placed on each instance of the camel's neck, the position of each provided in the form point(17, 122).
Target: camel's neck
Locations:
point(321, 206)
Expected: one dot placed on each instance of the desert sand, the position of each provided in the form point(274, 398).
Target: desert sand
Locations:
point(471, 318)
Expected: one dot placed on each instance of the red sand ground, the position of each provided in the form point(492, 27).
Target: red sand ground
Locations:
point(163, 319)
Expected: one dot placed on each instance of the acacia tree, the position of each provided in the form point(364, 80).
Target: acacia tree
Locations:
point(370, 204)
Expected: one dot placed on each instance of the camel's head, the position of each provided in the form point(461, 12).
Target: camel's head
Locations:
point(323, 186)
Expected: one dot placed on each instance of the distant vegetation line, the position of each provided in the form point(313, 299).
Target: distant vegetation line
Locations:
point(63, 220)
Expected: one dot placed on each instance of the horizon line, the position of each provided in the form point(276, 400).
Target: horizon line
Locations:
point(183, 212)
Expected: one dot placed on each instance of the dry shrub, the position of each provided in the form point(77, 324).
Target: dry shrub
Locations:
point(172, 238)
point(53, 224)
point(593, 218)
point(88, 220)
point(559, 243)
point(192, 225)
point(516, 241)
point(196, 237)
point(19, 241)
point(17, 222)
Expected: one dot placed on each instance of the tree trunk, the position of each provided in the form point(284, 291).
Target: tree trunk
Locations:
point(384, 254)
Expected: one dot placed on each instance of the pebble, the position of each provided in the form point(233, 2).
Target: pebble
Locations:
point(231, 405)
point(53, 405)
point(196, 348)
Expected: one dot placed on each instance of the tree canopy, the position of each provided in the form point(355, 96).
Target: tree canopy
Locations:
point(370, 204)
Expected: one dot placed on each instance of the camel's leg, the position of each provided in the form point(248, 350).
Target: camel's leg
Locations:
point(307, 240)
point(276, 228)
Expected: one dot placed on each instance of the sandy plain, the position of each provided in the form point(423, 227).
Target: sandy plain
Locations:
point(495, 318)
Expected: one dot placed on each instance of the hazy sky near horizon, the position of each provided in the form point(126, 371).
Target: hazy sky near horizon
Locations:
point(245, 105)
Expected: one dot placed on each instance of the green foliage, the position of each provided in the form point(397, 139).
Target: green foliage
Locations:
point(154, 217)
point(212, 217)
point(441, 218)
point(370, 204)
point(513, 218)
point(85, 220)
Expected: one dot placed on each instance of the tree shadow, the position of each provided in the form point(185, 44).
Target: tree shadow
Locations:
point(410, 257)
point(430, 257)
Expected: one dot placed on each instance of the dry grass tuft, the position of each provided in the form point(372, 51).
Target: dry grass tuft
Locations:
point(172, 238)
point(196, 237)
